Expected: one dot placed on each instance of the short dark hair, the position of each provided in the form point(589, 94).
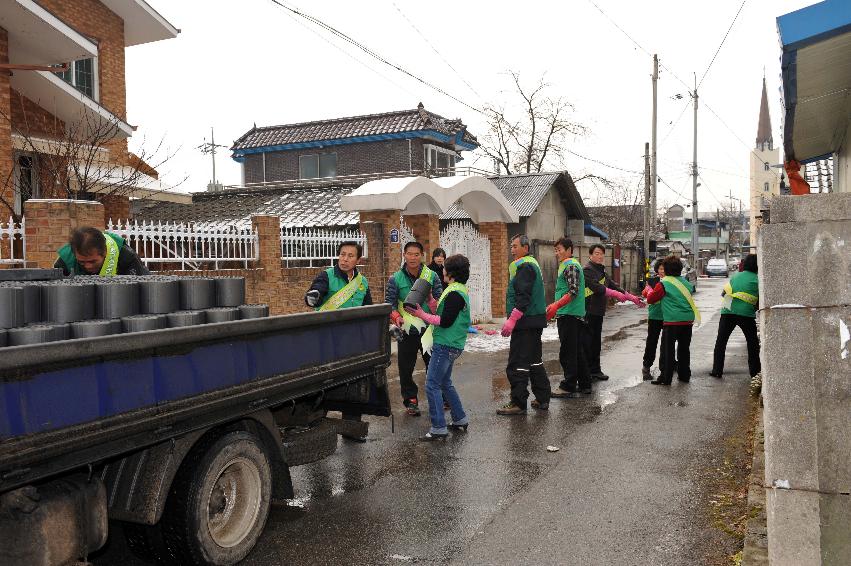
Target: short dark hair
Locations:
point(351, 243)
point(657, 263)
point(673, 266)
point(438, 252)
point(750, 264)
point(458, 267)
point(564, 242)
point(524, 239)
point(602, 247)
point(86, 240)
point(414, 245)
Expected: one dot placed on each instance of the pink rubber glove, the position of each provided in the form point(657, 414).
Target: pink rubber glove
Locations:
point(508, 325)
point(646, 290)
point(423, 315)
point(635, 300)
point(432, 303)
point(612, 294)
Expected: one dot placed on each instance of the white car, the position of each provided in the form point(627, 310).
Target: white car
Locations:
point(716, 267)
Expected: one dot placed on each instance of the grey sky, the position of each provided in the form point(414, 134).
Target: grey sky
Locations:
point(237, 63)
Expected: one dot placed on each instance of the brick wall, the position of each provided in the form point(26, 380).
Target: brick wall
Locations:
point(116, 207)
point(426, 230)
point(354, 159)
point(6, 168)
point(497, 234)
point(50, 223)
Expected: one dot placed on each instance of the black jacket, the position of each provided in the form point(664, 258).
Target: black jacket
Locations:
point(128, 263)
point(320, 283)
point(524, 281)
point(596, 304)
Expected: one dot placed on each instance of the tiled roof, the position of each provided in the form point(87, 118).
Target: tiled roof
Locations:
point(525, 193)
point(355, 126)
point(303, 207)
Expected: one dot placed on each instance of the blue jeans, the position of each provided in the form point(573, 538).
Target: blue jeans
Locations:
point(439, 388)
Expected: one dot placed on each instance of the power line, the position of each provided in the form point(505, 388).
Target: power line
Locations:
point(678, 193)
point(604, 164)
point(439, 54)
point(734, 134)
point(722, 44)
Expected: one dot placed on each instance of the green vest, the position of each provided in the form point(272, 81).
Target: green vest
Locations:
point(654, 311)
point(539, 303)
point(114, 243)
point(675, 305)
point(456, 335)
point(403, 284)
point(355, 294)
point(742, 294)
point(576, 306)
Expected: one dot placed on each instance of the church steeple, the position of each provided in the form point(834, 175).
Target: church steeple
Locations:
point(763, 132)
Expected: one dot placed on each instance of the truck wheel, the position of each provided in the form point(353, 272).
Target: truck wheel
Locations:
point(219, 501)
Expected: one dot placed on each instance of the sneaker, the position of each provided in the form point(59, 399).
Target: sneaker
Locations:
point(510, 409)
point(412, 408)
point(600, 376)
point(540, 406)
point(645, 374)
point(560, 393)
point(717, 374)
point(431, 437)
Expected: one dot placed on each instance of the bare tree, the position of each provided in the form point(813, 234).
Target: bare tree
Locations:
point(533, 137)
point(620, 212)
point(83, 158)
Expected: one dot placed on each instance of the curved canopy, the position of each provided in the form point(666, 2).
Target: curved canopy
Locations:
point(419, 195)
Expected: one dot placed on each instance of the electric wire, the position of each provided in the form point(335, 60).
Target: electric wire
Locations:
point(721, 45)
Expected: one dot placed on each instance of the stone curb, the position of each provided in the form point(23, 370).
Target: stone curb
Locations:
point(755, 551)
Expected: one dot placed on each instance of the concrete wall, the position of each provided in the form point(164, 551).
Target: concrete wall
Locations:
point(549, 221)
point(805, 316)
point(842, 164)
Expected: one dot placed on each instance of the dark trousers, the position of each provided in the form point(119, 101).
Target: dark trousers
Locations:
point(727, 324)
point(409, 347)
point(676, 341)
point(571, 353)
point(654, 329)
point(593, 342)
point(525, 366)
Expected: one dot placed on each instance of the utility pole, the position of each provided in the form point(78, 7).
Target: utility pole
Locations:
point(717, 232)
point(653, 178)
point(742, 232)
point(211, 149)
point(647, 213)
point(695, 249)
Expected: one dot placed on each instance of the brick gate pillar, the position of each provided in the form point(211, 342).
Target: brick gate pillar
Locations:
point(426, 230)
point(7, 190)
point(50, 223)
point(269, 284)
point(497, 234)
point(385, 256)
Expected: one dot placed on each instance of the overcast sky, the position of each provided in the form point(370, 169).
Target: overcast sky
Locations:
point(239, 63)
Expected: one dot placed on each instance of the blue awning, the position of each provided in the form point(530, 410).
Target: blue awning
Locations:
point(816, 69)
point(591, 230)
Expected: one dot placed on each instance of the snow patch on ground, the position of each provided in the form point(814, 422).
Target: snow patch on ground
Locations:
point(844, 337)
point(481, 342)
point(788, 306)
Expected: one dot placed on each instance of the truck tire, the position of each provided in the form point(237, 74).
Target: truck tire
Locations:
point(304, 445)
point(218, 502)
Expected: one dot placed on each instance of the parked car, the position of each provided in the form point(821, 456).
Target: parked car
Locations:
point(717, 267)
point(733, 263)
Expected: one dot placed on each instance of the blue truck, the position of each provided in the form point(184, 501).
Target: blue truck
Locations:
point(177, 439)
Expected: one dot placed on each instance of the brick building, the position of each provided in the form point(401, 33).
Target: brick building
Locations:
point(49, 120)
point(412, 141)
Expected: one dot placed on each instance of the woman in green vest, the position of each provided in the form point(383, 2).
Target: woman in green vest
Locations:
point(449, 327)
point(741, 300)
point(679, 314)
point(654, 322)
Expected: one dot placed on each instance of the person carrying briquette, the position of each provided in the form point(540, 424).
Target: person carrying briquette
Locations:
point(526, 308)
point(599, 287)
point(448, 332)
point(739, 306)
point(679, 313)
point(398, 287)
point(654, 322)
point(569, 312)
point(93, 252)
point(341, 286)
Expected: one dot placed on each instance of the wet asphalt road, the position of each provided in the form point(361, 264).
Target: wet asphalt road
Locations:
point(622, 489)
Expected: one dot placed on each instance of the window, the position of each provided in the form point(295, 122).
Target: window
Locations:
point(765, 187)
point(438, 159)
point(317, 165)
point(26, 180)
point(767, 166)
point(82, 75)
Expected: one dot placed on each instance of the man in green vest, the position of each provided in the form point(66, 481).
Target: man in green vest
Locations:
point(679, 313)
point(413, 328)
point(526, 309)
point(92, 252)
point(569, 312)
point(341, 286)
point(741, 301)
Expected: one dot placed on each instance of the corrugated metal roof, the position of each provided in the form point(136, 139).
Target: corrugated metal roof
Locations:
point(354, 126)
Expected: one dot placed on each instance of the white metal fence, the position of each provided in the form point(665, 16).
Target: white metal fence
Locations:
point(13, 242)
point(315, 247)
point(193, 246)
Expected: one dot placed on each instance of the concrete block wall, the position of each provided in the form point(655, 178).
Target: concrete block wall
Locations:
point(805, 316)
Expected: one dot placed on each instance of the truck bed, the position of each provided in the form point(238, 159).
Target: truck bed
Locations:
point(67, 404)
